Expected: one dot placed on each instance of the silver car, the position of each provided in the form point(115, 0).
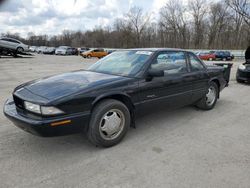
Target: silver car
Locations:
point(13, 44)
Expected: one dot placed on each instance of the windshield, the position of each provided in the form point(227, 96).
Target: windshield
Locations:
point(124, 63)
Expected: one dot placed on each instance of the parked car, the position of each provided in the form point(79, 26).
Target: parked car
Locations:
point(223, 55)
point(13, 44)
point(243, 73)
point(32, 48)
point(83, 49)
point(110, 51)
point(41, 49)
point(72, 51)
point(63, 50)
point(105, 99)
point(99, 53)
point(49, 50)
point(207, 56)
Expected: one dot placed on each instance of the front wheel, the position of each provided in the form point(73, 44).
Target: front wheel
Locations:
point(109, 123)
point(19, 49)
point(209, 100)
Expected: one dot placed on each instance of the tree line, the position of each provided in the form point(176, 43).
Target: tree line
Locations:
point(198, 24)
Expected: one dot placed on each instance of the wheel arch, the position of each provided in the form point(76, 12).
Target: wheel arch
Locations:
point(122, 97)
point(19, 47)
point(216, 80)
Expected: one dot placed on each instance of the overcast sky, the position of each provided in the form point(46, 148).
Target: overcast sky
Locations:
point(53, 16)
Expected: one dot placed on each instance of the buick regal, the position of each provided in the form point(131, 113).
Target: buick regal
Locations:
point(104, 100)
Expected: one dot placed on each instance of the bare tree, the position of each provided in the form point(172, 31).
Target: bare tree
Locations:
point(124, 33)
point(218, 17)
point(242, 7)
point(195, 25)
point(174, 23)
point(198, 10)
point(139, 22)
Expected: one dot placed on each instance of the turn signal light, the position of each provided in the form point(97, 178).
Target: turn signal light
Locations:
point(60, 123)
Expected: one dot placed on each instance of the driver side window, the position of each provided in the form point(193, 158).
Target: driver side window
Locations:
point(170, 63)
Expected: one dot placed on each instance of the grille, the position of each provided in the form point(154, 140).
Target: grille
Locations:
point(244, 74)
point(18, 102)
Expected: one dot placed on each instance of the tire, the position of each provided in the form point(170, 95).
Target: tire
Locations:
point(207, 102)
point(224, 59)
point(104, 112)
point(20, 49)
point(210, 59)
point(88, 56)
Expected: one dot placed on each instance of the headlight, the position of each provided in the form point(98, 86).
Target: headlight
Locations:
point(32, 107)
point(44, 110)
point(242, 67)
point(50, 110)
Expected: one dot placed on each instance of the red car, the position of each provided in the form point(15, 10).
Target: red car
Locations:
point(207, 56)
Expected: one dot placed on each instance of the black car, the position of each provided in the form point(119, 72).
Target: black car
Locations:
point(223, 55)
point(105, 99)
point(83, 49)
point(72, 51)
point(243, 73)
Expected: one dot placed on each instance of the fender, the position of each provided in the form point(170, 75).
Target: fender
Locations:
point(98, 98)
point(218, 82)
point(111, 95)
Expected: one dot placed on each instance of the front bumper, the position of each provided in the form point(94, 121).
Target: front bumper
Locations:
point(243, 75)
point(43, 127)
point(60, 53)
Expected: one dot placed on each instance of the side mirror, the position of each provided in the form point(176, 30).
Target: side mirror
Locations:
point(155, 73)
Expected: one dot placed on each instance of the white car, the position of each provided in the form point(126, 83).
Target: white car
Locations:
point(13, 44)
point(32, 48)
point(61, 50)
point(41, 49)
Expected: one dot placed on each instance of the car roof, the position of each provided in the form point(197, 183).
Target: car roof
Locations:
point(10, 38)
point(64, 46)
point(157, 49)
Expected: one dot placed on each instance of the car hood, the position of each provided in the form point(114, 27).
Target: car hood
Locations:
point(86, 52)
point(58, 86)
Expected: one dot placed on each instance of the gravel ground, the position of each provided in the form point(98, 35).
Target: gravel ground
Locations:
point(181, 148)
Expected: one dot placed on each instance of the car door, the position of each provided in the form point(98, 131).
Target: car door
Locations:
point(4, 43)
point(13, 43)
point(100, 53)
point(171, 90)
point(199, 77)
point(95, 53)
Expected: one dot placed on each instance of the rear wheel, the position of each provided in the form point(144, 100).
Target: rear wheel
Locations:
point(89, 56)
point(210, 59)
point(109, 123)
point(209, 100)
